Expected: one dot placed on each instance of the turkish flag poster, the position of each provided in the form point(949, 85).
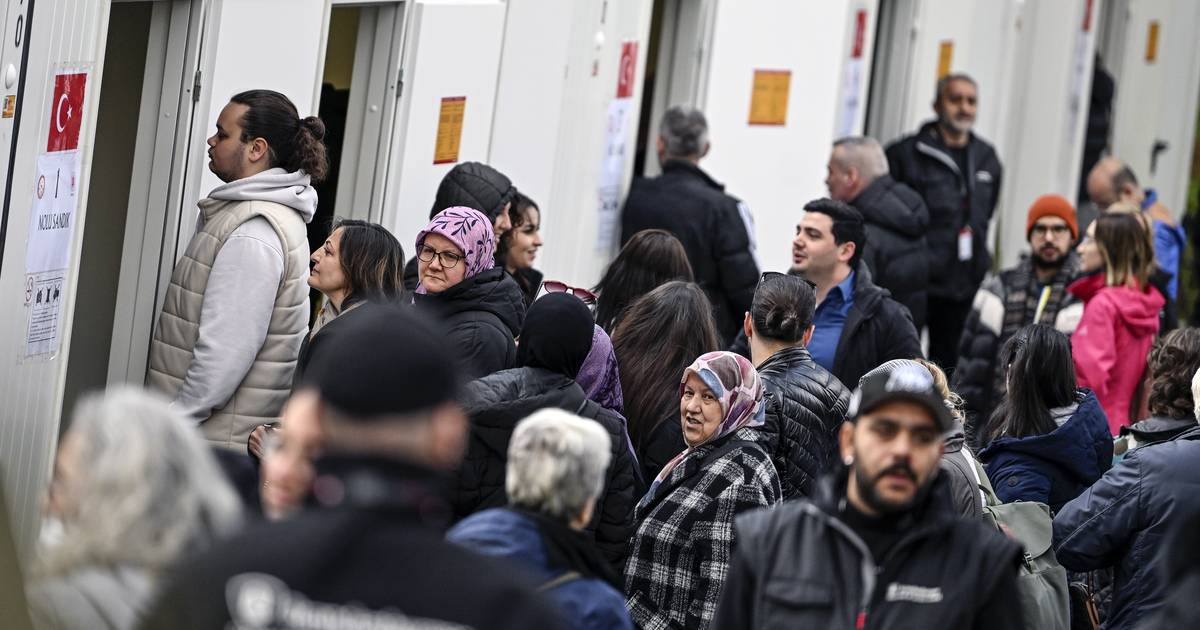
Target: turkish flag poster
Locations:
point(66, 111)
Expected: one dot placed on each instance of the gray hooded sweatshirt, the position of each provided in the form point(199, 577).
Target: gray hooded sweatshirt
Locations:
point(241, 291)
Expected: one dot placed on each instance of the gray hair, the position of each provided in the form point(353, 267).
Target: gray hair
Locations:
point(1196, 395)
point(863, 153)
point(556, 463)
point(149, 489)
point(685, 132)
point(950, 78)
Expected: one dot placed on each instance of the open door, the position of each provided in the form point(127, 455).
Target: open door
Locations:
point(450, 68)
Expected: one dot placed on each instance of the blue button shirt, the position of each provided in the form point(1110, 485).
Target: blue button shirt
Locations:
point(829, 320)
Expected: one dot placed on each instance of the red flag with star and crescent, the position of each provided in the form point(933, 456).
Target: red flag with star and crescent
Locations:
point(66, 112)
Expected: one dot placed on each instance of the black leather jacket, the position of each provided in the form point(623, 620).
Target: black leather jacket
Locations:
point(805, 406)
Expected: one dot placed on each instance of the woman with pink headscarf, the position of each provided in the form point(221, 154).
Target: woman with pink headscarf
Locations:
point(480, 306)
point(680, 550)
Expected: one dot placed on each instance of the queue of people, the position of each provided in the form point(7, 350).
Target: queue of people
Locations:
point(692, 443)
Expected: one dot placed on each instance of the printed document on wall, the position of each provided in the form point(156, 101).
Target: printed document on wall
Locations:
point(53, 217)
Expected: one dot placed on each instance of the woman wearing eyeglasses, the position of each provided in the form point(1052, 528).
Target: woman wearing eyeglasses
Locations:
point(480, 306)
point(519, 246)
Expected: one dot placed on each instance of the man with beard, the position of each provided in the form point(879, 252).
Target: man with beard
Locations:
point(1032, 292)
point(880, 544)
point(958, 175)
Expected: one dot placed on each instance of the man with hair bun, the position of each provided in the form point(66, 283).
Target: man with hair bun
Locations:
point(805, 404)
point(236, 310)
point(715, 228)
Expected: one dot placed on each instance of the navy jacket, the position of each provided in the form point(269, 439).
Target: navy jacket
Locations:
point(1124, 520)
point(586, 603)
point(1055, 467)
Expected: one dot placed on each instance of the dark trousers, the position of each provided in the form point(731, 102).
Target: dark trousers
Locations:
point(945, 318)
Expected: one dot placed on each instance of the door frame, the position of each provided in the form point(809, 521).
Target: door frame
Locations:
point(162, 157)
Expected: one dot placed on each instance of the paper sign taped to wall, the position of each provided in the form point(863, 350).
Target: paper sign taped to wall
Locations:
point(52, 218)
point(44, 314)
point(449, 133)
point(769, 98)
point(1152, 42)
point(945, 57)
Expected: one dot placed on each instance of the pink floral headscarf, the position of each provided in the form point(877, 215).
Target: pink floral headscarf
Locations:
point(471, 231)
point(735, 383)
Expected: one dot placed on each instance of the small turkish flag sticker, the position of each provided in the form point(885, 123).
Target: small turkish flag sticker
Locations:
point(66, 112)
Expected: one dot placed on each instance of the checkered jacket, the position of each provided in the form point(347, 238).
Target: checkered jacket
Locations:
point(680, 552)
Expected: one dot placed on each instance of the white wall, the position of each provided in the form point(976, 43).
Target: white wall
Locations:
point(64, 31)
point(777, 169)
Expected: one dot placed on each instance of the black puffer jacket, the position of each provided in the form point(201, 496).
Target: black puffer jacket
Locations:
point(496, 404)
point(688, 203)
point(896, 220)
point(877, 329)
point(955, 201)
point(482, 316)
point(805, 407)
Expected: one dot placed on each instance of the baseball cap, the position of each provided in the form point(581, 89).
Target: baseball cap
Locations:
point(907, 381)
point(380, 361)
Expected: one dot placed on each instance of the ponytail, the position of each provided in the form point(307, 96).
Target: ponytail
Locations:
point(295, 143)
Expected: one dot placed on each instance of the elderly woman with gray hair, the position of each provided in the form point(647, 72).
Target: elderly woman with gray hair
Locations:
point(134, 489)
point(556, 471)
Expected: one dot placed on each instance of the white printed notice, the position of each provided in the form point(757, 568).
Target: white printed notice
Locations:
point(53, 220)
point(45, 297)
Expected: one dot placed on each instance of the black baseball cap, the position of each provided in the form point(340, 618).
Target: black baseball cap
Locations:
point(900, 381)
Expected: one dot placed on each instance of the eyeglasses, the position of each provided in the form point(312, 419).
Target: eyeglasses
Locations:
point(554, 286)
point(448, 260)
point(1056, 230)
point(766, 275)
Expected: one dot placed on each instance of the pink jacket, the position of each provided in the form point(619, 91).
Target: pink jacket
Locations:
point(1112, 341)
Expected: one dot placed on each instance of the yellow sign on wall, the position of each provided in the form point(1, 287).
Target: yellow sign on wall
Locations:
point(945, 57)
point(769, 98)
point(1152, 42)
point(449, 133)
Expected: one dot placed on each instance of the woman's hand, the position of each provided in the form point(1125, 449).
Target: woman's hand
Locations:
point(257, 437)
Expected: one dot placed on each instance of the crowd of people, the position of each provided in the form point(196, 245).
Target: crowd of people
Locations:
point(455, 441)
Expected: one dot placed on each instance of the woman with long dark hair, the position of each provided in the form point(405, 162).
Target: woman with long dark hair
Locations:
point(650, 259)
point(1047, 441)
point(519, 246)
point(1120, 311)
point(660, 336)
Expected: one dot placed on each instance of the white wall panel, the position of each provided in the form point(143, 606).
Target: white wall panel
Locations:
point(776, 169)
point(63, 31)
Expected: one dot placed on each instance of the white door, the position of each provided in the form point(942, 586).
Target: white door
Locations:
point(450, 65)
point(1152, 53)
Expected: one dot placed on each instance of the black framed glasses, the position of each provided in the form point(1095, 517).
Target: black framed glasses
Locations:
point(448, 260)
point(554, 286)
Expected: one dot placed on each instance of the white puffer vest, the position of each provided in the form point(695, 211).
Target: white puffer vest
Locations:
point(261, 394)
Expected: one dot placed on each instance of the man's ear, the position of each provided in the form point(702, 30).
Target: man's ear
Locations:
point(660, 145)
point(704, 151)
point(447, 436)
point(846, 251)
point(1127, 193)
point(748, 326)
point(808, 334)
point(258, 150)
point(846, 442)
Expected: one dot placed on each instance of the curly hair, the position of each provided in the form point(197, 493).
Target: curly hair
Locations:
point(1173, 361)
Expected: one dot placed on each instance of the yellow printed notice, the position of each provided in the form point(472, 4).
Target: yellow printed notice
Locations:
point(449, 133)
point(769, 99)
point(1152, 42)
point(945, 57)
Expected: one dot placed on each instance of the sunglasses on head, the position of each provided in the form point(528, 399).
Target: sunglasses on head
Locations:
point(766, 275)
point(554, 286)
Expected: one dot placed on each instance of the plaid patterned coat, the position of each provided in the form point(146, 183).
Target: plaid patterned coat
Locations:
point(680, 551)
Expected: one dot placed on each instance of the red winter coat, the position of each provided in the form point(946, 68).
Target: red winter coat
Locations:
point(1112, 341)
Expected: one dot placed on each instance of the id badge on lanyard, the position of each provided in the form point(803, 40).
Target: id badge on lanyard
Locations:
point(966, 244)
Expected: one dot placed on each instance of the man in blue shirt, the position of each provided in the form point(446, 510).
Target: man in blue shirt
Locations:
point(858, 326)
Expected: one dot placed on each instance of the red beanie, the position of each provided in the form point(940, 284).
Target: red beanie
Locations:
point(1052, 206)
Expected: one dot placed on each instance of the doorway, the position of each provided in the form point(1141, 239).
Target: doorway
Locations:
point(107, 200)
